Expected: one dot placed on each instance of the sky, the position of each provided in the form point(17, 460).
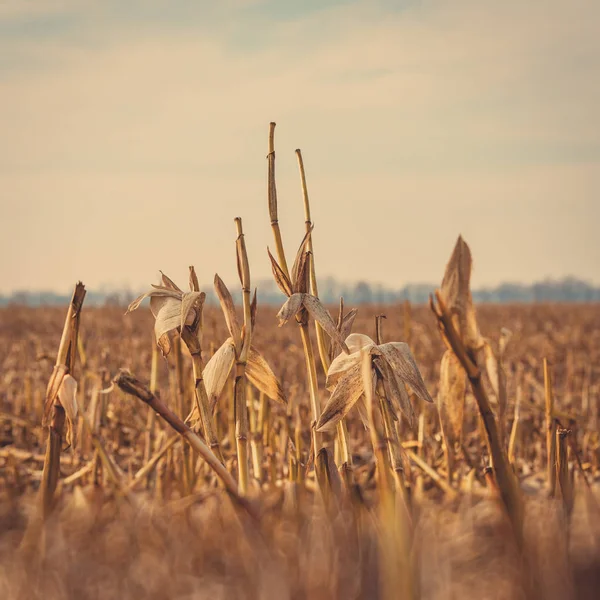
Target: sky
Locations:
point(134, 132)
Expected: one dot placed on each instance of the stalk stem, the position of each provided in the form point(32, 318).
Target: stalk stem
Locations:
point(505, 479)
point(313, 386)
point(65, 363)
point(322, 346)
point(203, 407)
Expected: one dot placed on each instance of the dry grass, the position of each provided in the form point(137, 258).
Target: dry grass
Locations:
point(175, 539)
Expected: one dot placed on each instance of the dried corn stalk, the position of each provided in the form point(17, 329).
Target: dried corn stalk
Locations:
point(181, 312)
point(458, 326)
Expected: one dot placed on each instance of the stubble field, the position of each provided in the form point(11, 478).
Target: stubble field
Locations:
point(137, 513)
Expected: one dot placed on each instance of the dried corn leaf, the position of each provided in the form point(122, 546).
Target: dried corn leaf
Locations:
point(320, 314)
point(347, 392)
point(193, 280)
point(56, 379)
point(301, 260)
point(456, 294)
point(67, 396)
point(281, 279)
point(395, 391)
point(217, 371)
point(290, 308)
point(402, 362)
point(167, 312)
point(228, 309)
point(262, 377)
point(301, 278)
point(169, 283)
point(339, 366)
point(347, 323)
point(155, 293)
point(358, 341)
point(191, 305)
point(344, 326)
point(451, 398)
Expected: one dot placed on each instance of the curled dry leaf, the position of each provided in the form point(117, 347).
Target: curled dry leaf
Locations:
point(189, 302)
point(217, 371)
point(262, 377)
point(67, 397)
point(395, 367)
point(157, 292)
point(347, 323)
point(344, 326)
point(347, 392)
point(228, 309)
point(301, 267)
point(456, 293)
point(317, 311)
point(301, 280)
point(290, 308)
point(167, 312)
point(451, 398)
point(258, 371)
point(169, 283)
point(301, 255)
point(320, 314)
point(172, 310)
point(395, 392)
point(193, 280)
point(402, 362)
point(355, 342)
point(52, 391)
point(339, 367)
point(281, 279)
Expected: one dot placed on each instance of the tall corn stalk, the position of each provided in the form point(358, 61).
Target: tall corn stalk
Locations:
point(54, 413)
point(322, 344)
point(241, 412)
point(192, 338)
point(464, 342)
point(311, 370)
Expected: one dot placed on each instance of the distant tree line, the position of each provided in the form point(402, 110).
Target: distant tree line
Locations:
point(568, 289)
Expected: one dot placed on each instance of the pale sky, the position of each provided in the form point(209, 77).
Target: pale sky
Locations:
point(134, 132)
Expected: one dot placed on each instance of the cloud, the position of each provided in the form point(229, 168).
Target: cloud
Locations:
point(425, 119)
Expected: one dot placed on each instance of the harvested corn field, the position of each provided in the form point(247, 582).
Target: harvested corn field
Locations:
point(138, 514)
point(239, 451)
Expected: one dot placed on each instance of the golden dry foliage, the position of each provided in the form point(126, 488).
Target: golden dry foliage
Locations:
point(456, 293)
point(182, 540)
point(451, 398)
